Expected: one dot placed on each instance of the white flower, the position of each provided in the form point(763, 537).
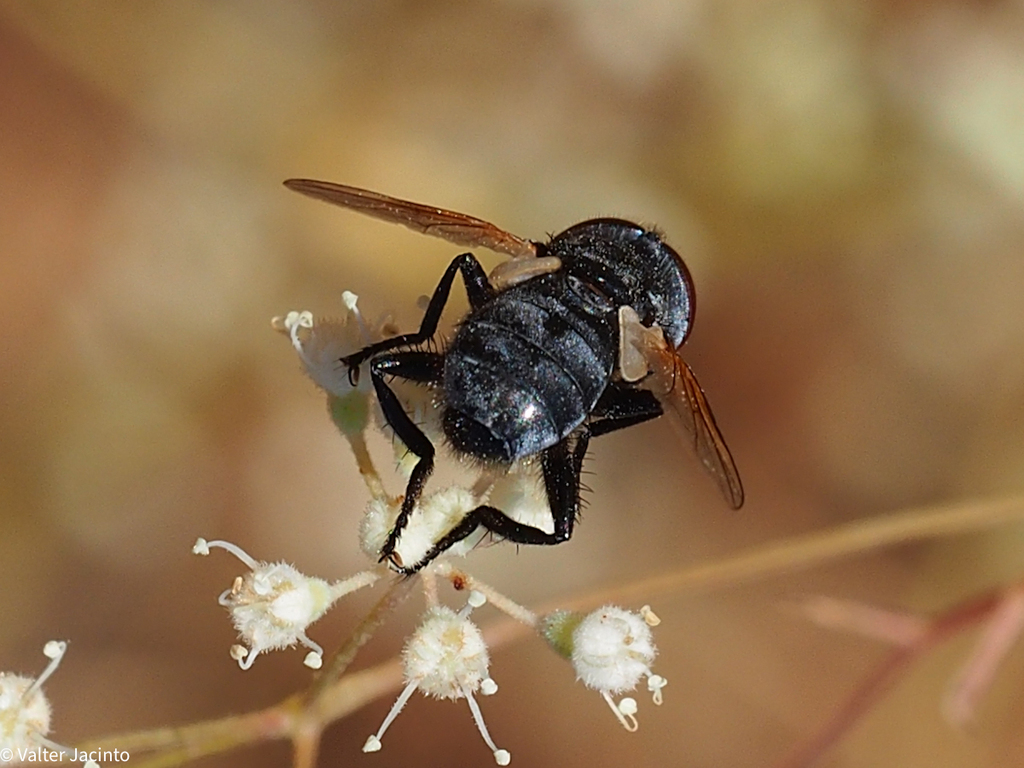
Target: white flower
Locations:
point(521, 495)
point(435, 515)
point(273, 603)
point(322, 343)
point(25, 711)
point(446, 657)
point(611, 650)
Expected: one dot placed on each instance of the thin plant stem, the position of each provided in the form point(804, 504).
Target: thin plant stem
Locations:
point(178, 745)
point(430, 587)
point(1001, 633)
point(306, 743)
point(887, 674)
point(367, 469)
point(494, 597)
point(361, 635)
point(803, 552)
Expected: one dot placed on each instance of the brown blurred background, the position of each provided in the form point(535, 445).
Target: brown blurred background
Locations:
point(845, 180)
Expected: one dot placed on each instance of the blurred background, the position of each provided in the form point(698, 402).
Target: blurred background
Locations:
point(845, 180)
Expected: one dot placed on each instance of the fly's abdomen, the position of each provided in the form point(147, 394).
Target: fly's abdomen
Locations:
point(519, 377)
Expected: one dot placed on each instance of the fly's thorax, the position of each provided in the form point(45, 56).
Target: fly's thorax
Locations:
point(628, 265)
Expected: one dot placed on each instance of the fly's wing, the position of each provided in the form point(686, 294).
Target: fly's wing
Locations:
point(687, 402)
point(454, 227)
point(676, 386)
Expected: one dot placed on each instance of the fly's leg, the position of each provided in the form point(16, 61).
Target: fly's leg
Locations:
point(478, 289)
point(424, 368)
point(562, 466)
point(623, 406)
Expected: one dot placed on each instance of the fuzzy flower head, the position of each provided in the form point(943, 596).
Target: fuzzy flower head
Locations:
point(612, 650)
point(521, 495)
point(25, 711)
point(273, 603)
point(518, 492)
point(446, 657)
point(436, 514)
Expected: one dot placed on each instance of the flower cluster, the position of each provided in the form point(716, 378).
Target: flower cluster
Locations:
point(436, 514)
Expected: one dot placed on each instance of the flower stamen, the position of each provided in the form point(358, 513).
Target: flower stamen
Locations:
point(625, 711)
point(654, 684)
point(501, 756)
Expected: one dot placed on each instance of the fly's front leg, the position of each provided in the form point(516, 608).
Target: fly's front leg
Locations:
point(425, 368)
point(478, 289)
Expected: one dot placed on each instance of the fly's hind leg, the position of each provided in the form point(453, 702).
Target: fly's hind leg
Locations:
point(620, 407)
point(562, 464)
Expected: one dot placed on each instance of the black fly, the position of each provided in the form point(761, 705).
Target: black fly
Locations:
point(568, 340)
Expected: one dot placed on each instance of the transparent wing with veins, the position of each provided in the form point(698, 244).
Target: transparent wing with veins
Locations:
point(645, 353)
point(458, 228)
